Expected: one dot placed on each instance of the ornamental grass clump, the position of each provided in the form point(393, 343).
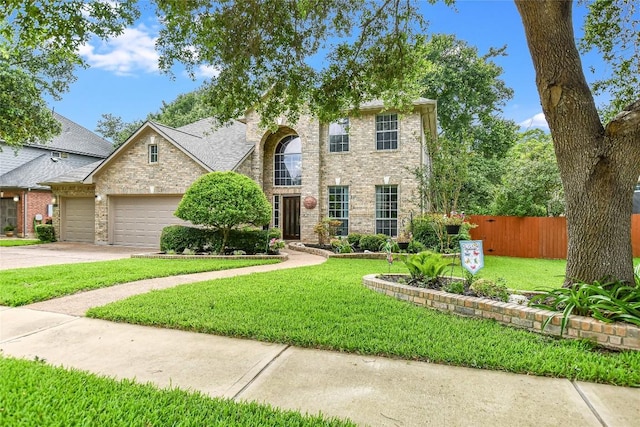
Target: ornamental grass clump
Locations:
point(607, 302)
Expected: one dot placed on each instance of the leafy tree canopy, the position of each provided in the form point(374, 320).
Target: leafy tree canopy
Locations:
point(39, 43)
point(613, 28)
point(268, 68)
point(470, 95)
point(531, 184)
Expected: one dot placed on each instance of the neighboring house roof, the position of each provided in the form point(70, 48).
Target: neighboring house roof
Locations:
point(76, 175)
point(33, 164)
point(77, 139)
point(215, 149)
point(33, 173)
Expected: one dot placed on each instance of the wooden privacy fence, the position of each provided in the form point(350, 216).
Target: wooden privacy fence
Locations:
point(531, 237)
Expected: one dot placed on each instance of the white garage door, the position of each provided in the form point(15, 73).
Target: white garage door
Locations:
point(78, 219)
point(138, 221)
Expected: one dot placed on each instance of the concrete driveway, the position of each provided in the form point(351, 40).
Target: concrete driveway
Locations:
point(63, 253)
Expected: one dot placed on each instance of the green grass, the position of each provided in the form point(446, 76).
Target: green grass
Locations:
point(327, 307)
point(34, 394)
point(18, 242)
point(525, 273)
point(28, 285)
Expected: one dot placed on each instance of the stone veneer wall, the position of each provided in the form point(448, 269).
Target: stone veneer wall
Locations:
point(611, 335)
point(68, 190)
point(308, 129)
point(130, 173)
point(362, 168)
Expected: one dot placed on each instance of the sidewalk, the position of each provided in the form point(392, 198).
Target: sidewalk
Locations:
point(369, 390)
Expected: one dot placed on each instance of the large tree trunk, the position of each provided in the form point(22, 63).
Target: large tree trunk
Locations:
point(599, 167)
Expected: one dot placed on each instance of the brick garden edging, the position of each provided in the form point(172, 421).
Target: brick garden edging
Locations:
point(616, 335)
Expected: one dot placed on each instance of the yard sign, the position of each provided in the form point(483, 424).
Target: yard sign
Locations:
point(471, 255)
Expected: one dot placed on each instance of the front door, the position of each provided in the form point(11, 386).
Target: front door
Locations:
point(291, 217)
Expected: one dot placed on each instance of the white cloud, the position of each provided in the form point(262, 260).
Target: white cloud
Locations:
point(206, 72)
point(131, 52)
point(537, 121)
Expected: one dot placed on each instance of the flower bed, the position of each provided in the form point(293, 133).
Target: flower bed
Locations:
point(611, 335)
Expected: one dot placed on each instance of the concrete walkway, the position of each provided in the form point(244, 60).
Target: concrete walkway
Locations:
point(369, 390)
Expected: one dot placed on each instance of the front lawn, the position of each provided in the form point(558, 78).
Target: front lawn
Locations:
point(327, 307)
point(34, 394)
point(28, 285)
point(18, 242)
point(524, 273)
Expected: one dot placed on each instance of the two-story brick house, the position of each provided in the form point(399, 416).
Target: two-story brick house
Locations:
point(358, 170)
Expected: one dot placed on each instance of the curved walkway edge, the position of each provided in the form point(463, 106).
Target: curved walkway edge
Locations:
point(78, 304)
point(369, 390)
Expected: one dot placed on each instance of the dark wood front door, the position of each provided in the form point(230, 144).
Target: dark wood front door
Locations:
point(291, 217)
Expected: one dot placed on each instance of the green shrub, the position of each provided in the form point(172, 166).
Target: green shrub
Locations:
point(249, 240)
point(490, 289)
point(341, 246)
point(354, 239)
point(425, 267)
point(373, 242)
point(177, 238)
point(224, 201)
point(45, 233)
point(422, 229)
point(415, 247)
point(429, 229)
point(454, 288)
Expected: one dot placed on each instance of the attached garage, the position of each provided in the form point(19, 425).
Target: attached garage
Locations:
point(78, 219)
point(139, 220)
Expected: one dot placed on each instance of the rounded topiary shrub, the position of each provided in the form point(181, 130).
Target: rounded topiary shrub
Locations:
point(224, 201)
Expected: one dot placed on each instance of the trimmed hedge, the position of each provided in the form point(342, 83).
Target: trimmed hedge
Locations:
point(177, 238)
point(45, 233)
point(372, 242)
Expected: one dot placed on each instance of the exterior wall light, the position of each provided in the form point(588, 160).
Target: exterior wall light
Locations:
point(16, 199)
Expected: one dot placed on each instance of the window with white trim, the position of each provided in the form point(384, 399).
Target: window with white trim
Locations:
point(288, 161)
point(339, 207)
point(153, 153)
point(387, 132)
point(339, 136)
point(387, 210)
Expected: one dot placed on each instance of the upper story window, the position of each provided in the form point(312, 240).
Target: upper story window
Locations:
point(153, 153)
point(59, 155)
point(387, 132)
point(288, 161)
point(339, 136)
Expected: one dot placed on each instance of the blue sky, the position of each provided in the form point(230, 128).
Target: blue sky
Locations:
point(124, 79)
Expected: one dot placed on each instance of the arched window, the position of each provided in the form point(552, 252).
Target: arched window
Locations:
point(288, 161)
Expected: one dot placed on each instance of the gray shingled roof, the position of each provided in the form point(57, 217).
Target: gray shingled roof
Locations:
point(77, 139)
point(220, 149)
point(41, 169)
point(76, 175)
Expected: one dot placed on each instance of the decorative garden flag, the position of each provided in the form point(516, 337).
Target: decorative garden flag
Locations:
point(471, 255)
